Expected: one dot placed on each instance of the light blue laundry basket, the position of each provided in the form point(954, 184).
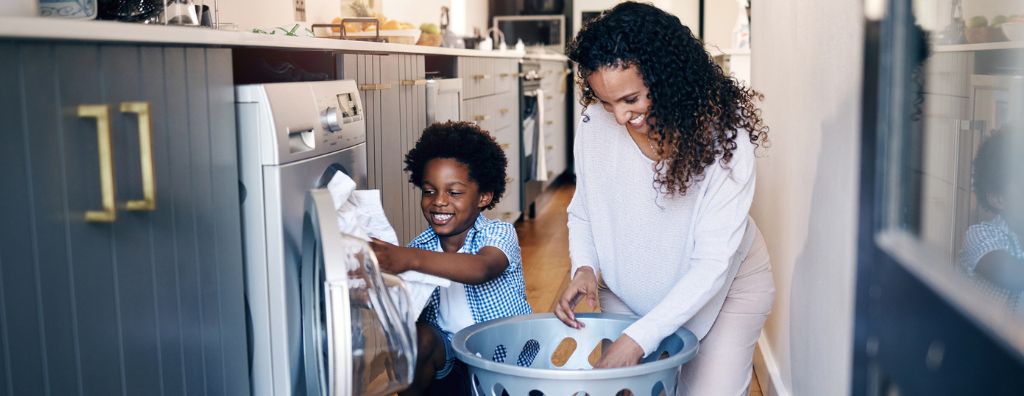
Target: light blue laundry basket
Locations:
point(514, 356)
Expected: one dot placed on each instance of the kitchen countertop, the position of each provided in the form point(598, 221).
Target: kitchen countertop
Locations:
point(37, 28)
point(551, 57)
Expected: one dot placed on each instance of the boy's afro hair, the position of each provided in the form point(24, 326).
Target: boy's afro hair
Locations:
point(995, 164)
point(464, 142)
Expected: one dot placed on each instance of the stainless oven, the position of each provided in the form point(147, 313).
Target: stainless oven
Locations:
point(531, 126)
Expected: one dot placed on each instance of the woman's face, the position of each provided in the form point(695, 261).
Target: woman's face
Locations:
point(622, 92)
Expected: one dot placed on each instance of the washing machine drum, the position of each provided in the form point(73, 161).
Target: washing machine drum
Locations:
point(358, 328)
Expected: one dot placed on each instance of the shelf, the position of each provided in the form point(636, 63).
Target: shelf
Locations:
point(1003, 45)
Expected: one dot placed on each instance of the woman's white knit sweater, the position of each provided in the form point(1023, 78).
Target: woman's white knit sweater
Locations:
point(671, 259)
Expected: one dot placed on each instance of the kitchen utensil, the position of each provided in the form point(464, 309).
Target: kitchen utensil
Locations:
point(181, 12)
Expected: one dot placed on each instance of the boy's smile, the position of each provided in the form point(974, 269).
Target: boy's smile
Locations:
point(451, 201)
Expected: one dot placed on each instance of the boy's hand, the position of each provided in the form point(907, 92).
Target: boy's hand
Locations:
point(392, 259)
point(583, 284)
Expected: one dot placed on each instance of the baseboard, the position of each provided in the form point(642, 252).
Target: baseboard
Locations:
point(767, 369)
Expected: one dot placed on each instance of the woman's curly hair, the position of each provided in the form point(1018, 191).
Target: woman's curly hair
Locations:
point(464, 142)
point(696, 112)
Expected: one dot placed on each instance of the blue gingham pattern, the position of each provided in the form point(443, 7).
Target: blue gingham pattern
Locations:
point(987, 237)
point(498, 298)
point(500, 353)
point(529, 353)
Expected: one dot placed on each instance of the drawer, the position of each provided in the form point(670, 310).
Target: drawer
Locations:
point(506, 75)
point(506, 108)
point(477, 76)
point(482, 111)
point(508, 209)
point(475, 110)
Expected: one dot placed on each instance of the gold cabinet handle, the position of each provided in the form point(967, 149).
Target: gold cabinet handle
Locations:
point(550, 147)
point(549, 122)
point(503, 75)
point(504, 111)
point(481, 76)
point(107, 189)
point(409, 83)
point(481, 118)
point(548, 97)
point(148, 201)
point(374, 87)
point(504, 146)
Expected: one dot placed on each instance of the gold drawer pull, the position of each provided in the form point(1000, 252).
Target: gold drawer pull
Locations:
point(148, 201)
point(548, 97)
point(551, 147)
point(409, 83)
point(481, 118)
point(504, 111)
point(374, 87)
point(503, 75)
point(549, 122)
point(504, 146)
point(482, 77)
point(103, 146)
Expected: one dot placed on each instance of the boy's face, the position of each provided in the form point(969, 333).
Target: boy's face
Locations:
point(451, 201)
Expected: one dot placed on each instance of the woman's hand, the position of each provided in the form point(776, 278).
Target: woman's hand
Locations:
point(392, 259)
point(621, 353)
point(583, 284)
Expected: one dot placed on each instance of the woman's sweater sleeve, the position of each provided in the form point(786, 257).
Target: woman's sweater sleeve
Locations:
point(717, 234)
point(581, 240)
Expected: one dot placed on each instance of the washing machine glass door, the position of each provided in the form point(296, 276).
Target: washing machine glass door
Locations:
point(358, 333)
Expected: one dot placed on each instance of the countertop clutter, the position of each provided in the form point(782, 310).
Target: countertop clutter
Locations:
point(109, 31)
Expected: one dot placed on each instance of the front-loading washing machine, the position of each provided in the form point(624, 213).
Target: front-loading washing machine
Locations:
point(293, 138)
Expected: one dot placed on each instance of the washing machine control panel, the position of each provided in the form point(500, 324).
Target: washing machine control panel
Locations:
point(295, 121)
point(341, 114)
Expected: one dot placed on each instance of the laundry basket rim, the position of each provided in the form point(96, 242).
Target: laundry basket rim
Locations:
point(689, 351)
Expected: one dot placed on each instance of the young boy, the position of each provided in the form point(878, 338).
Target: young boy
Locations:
point(460, 170)
point(992, 251)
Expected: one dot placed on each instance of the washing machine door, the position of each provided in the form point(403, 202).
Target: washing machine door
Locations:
point(358, 333)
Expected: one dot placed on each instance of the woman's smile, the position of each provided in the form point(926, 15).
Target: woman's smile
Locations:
point(638, 121)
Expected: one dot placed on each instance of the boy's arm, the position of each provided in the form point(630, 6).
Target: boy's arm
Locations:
point(470, 269)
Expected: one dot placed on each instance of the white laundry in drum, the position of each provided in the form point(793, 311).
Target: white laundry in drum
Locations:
point(361, 214)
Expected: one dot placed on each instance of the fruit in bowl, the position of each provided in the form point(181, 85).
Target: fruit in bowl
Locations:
point(430, 35)
point(979, 31)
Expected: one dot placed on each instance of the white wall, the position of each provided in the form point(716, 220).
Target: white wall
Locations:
point(719, 20)
point(807, 60)
point(464, 15)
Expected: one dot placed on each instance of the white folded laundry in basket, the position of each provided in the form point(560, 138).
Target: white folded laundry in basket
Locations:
point(361, 214)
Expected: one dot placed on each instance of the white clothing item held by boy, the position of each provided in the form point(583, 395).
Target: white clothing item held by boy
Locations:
point(361, 214)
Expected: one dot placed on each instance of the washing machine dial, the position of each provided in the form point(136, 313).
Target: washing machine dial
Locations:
point(332, 123)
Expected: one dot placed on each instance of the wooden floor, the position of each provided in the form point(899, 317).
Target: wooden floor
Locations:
point(545, 247)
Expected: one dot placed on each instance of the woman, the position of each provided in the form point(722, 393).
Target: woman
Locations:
point(659, 225)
